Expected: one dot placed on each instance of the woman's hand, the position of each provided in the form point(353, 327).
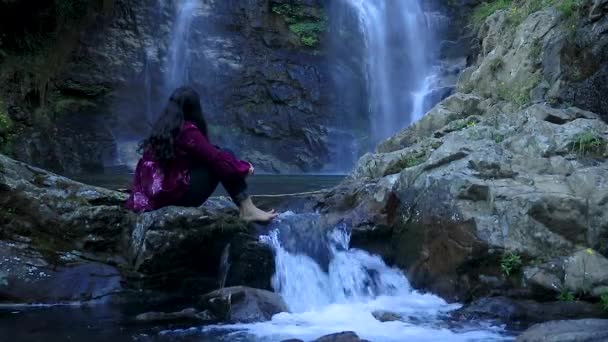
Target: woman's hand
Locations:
point(251, 170)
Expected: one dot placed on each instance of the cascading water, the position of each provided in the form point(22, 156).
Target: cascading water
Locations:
point(392, 46)
point(178, 56)
point(397, 61)
point(347, 294)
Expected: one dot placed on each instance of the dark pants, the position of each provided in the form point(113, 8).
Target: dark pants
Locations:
point(202, 185)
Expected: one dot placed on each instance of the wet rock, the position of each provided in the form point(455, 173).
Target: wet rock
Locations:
point(348, 336)
point(189, 314)
point(523, 313)
point(66, 241)
point(243, 304)
point(385, 316)
point(27, 277)
point(585, 330)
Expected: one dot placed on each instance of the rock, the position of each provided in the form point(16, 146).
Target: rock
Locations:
point(385, 316)
point(348, 336)
point(242, 304)
point(27, 276)
point(64, 241)
point(585, 330)
point(184, 315)
point(493, 171)
point(584, 272)
point(523, 313)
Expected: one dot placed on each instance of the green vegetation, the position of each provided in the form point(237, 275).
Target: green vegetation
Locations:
point(307, 23)
point(496, 64)
point(519, 10)
point(486, 9)
point(406, 161)
point(566, 296)
point(499, 138)
point(510, 263)
point(461, 124)
point(6, 134)
point(518, 92)
point(604, 301)
point(587, 143)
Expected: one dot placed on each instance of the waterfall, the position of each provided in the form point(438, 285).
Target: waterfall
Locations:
point(352, 276)
point(394, 48)
point(178, 56)
point(347, 294)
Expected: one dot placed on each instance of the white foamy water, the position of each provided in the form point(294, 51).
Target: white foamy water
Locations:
point(344, 298)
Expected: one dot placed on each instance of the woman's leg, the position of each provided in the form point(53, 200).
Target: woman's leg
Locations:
point(202, 186)
point(237, 190)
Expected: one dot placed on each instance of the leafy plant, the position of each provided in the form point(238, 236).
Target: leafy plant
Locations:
point(303, 22)
point(587, 143)
point(510, 263)
point(604, 300)
point(566, 296)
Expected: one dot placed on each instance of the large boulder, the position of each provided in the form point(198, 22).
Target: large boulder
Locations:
point(584, 330)
point(64, 241)
point(243, 304)
point(180, 249)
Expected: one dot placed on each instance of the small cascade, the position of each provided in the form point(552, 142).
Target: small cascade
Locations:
point(345, 293)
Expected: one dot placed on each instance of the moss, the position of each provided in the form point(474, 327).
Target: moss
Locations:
point(486, 9)
point(519, 10)
point(406, 161)
point(7, 134)
point(71, 104)
point(307, 23)
point(496, 64)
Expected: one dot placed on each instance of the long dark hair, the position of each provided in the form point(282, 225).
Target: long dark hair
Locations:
point(184, 105)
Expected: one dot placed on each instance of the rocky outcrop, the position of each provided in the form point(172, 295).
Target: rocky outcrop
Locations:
point(585, 330)
point(495, 179)
point(63, 241)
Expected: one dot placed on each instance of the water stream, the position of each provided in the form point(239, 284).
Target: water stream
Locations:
point(344, 295)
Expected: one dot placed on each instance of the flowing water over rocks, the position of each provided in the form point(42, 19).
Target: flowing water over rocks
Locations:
point(355, 291)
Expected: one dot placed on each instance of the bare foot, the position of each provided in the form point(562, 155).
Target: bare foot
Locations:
point(259, 216)
point(250, 213)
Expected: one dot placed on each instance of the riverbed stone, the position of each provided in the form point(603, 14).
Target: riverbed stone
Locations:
point(242, 304)
point(584, 330)
point(347, 336)
point(522, 313)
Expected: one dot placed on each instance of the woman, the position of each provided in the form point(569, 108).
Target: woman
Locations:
point(180, 167)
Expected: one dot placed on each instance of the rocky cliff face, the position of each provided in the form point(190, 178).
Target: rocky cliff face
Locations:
point(259, 66)
point(502, 186)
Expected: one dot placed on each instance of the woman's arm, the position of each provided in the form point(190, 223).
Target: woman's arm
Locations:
point(223, 163)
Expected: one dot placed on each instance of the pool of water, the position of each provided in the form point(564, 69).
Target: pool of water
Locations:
point(120, 178)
